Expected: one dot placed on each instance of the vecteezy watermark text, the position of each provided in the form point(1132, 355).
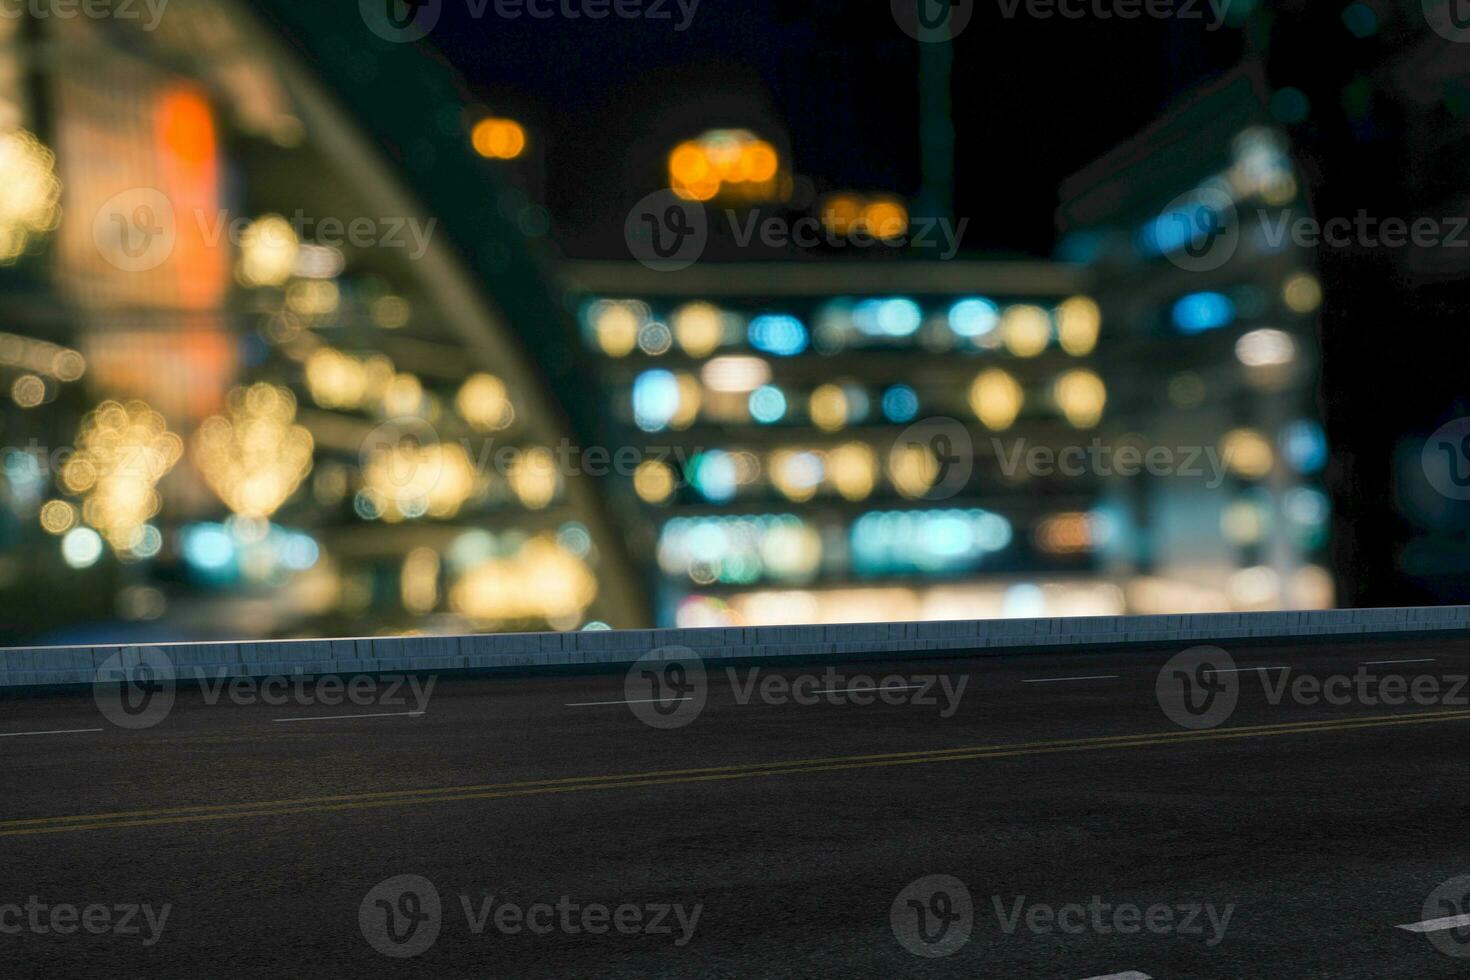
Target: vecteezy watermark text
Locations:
point(1097, 458)
point(137, 687)
point(1214, 11)
point(667, 233)
point(129, 919)
point(403, 21)
point(138, 229)
point(148, 11)
point(1104, 918)
point(935, 916)
point(403, 916)
point(669, 687)
point(1201, 687)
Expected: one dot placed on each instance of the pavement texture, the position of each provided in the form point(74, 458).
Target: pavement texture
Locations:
point(1266, 811)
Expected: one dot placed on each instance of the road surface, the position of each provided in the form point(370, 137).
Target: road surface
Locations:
point(1040, 816)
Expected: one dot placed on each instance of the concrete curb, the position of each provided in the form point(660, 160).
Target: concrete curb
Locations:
point(46, 666)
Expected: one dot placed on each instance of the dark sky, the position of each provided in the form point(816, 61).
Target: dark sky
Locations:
point(1034, 100)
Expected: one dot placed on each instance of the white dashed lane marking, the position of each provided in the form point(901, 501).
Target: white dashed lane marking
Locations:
point(1055, 680)
point(593, 704)
point(376, 714)
point(61, 731)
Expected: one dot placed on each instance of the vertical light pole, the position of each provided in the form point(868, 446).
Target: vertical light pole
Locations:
point(936, 123)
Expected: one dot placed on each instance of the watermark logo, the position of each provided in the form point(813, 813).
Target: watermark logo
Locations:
point(1104, 918)
point(1450, 19)
point(401, 916)
point(1448, 911)
point(135, 688)
point(665, 232)
point(933, 916)
point(1446, 459)
point(400, 21)
point(932, 21)
point(135, 230)
point(1198, 688)
point(128, 919)
point(667, 687)
point(837, 689)
point(569, 917)
point(401, 446)
point(148, 11)
point(1215, 10)
point(138, 230)
point(1199, 230)
point(1101, 459)
point(947, 443)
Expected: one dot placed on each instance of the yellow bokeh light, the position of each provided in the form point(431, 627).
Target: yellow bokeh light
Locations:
point(498, 139)
point(541, 581)
point(912, 469)
point(534, 478)
point(828, 407)
point(122, 451)
point(484, 403)
point(853, 469)
point(1025, 329)
point(796, 474)
point(996, 399)
point(1078, 323)
point(699, 328)
point(253, 456)
point(409, 480)
point(419, 581)
point(313, 297)
point(404, 395)
point(616, 325)
point(28, 391)
point(1247, 452)
point(268, 250)
point(335, 379)
point(691, 398)
point(1081, 395)
point(653, 481)
point(58, 516)
point(1302, 292)
point(30, 193)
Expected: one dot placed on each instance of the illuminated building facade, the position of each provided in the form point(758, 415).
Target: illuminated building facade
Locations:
point(838, 442)
point(1211, 302)
point(1132, 428)
point(253, 385)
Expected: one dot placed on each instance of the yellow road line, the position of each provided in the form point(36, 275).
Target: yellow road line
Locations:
point(572, 784)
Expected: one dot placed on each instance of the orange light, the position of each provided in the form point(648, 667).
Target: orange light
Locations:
point(885, 219)
point(758, 160)
point(688, 164)
point(186, 127)
point(498, 139)
point(187, 150)
point(698, 190)
point(841, 212)
point(724, 162)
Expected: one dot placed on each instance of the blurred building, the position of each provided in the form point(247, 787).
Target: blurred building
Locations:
point(1132, 428)
point(1210, 300)
point(289, 352)
point(256, 384)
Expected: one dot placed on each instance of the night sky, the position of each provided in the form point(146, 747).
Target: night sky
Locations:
point(1034, 100)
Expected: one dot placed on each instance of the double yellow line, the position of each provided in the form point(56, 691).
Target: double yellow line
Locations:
point(667, 777)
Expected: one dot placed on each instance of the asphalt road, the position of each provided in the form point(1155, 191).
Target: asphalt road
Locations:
point(1041, 816)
